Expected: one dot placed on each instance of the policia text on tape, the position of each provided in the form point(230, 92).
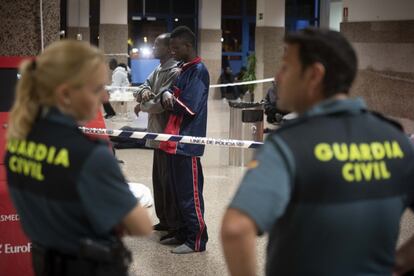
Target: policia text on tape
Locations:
point(362, 161)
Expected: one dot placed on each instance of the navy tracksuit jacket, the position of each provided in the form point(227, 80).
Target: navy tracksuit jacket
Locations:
point(189, 117)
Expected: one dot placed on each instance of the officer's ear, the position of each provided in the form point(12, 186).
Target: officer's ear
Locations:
point(63, 95)
point(316, 74)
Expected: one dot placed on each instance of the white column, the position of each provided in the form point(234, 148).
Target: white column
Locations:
point(114, 12)
point(335, 15)
point(270, 30)
point(210, 14)
point(209, 39)
point(113, 28)
point(324, 12)
point(270, 13)
point(78, 20)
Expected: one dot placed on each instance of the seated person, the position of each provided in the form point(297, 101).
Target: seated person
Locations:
point(119, 79)
point(273, 114)
point(228, 92)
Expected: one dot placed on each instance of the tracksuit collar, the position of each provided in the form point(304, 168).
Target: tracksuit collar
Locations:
point(185, 66)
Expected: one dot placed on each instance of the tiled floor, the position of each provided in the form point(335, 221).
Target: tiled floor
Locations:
point(220, 182)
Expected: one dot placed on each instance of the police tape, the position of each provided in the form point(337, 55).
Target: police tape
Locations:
point(242, 83)
point(135, 88)
point(173, 138)
point(117, 54)
point(123, 88)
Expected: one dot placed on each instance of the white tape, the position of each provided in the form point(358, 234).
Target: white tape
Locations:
point(173, 138)
point(242, 83)
point(120, 54)
point(135, 88)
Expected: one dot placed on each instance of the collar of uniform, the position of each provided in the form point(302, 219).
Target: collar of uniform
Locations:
point(55, 115)
point(171, 63)
point(331, 106)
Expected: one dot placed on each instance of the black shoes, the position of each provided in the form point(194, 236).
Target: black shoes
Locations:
point(160, 227)
point(109, 116)
point(168, 236)
point(172, 238)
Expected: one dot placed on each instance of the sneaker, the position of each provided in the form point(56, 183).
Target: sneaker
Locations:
point(182, 249)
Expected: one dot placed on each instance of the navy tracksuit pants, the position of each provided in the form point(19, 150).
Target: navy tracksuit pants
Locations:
point(187, 180)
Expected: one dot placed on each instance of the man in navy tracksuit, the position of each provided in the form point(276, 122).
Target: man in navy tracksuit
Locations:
point(187, 100)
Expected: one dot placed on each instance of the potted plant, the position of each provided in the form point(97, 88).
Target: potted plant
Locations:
point(250, 75)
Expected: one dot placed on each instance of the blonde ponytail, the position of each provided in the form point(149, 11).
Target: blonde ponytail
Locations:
point(63, 62)
point(26, 105)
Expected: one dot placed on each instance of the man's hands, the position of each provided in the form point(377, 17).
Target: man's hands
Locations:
point(147, 95)
point(168, 100)
point(137, 109)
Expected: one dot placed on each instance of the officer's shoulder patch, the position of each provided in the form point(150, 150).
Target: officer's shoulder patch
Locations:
point(252, 164)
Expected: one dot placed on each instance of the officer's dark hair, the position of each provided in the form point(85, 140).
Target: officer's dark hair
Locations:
point(333, 51)
point(184, 33)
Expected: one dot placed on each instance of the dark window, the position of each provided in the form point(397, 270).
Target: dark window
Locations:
point(160, 16)
point(157, 6)
point(184, 6)
point(135, 6)
point(251, 7)
point(232, 35)
point(306, 11)
point(94, 18)
point(189, 22)
point(301, 13)
point(252, 39)
point(231, 7)
point(63, 16)
point(144, 33)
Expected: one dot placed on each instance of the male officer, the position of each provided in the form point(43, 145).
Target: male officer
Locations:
point(188, 103)
point(329, 186)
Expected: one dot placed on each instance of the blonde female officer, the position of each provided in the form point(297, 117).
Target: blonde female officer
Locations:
point(68, 190)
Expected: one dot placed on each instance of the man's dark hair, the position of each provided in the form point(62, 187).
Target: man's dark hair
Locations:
point(113, 64)
point(184, 33)
point(165, 38)
point(331, 49)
